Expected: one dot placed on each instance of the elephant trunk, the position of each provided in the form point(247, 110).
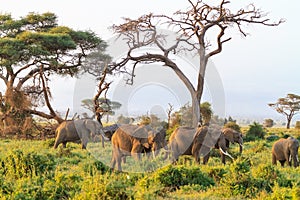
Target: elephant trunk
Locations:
point(226, 153)
point(241, 148)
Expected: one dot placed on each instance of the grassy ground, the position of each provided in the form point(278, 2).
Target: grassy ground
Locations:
point(34, 170)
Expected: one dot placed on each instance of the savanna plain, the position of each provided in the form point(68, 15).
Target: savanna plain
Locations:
point(32, 169)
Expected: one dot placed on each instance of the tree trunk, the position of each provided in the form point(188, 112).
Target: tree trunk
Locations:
point(195, 110)
point(288, 124)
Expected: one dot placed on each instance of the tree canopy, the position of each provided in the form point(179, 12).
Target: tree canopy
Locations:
point(193, 26)
point(288, 106)
point(33, 49)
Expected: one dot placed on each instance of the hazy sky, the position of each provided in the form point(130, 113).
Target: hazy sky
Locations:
point(254, 71)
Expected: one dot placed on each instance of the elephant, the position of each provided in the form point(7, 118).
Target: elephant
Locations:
point(132, 140)
point(79, 130)
point(196, 142)
point(159, 142)
point(110, 130)
point(233, 136)
point(285, 150)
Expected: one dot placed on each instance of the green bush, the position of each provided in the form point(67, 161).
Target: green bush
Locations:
point(176, 176)
point(94, 167)
point(256, 131)
point(19, 164)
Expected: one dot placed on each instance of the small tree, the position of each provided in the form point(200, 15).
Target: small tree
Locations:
point(206, 112)
point(288, 106)
point(106, 106)
point(268, 123)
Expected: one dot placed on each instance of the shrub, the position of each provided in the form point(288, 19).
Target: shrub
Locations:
point(19, 164)
point(256, 131)
point(233, 125)
point(174, 177)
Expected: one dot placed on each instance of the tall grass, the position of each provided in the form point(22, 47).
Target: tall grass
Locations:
point(34, 170)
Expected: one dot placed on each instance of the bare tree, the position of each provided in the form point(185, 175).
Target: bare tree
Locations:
point(288, 106)
point(193, 26)
point(169, 113)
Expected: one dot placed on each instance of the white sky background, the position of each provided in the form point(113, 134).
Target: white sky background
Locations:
point(255, 70)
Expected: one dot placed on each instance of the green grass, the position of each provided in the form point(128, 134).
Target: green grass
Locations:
point(34, 170)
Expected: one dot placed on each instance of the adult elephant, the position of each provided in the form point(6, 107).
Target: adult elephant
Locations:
point(196, 142)
point(233, 136)
point(79, 130)
point(285, 150)
point(132, 140)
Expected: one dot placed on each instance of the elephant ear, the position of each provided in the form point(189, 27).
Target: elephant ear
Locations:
point(140, 132)
point(229, 134)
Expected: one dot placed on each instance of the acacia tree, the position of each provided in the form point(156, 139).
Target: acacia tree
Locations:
point(32, 50)
point(106, 106)
point(288, 106)
point(193, 26)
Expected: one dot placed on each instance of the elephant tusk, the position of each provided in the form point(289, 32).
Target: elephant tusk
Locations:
point(290, 158)
point(105, 138)
point(297, 158)
point(153, 153)
point(226, 153)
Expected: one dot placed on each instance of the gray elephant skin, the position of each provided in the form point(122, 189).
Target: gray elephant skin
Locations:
point(286, 150)
point(80, 130)
point(132, 140)
point(233, 136)
point(196, 142)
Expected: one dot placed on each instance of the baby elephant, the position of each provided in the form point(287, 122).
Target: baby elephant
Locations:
point(285, 150)
point(80, 130)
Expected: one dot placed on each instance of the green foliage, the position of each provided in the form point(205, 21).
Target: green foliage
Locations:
point(94, 167)
point(206, 112)
point(233, 125)
point(27, 42)
point(256, 131)
point(19, 164)
point(174, 177)
point(33, 170)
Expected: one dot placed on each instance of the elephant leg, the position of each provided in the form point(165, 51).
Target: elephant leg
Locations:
point(223, 158)
point(83, 143)
point(119, 167)
point(205, 151)
point(206, 158)
point(288, 158)
point(282, 162)
point(64, 144)
point(116, 159)
point(136, 151)
point(56, 144)
point(102, 140)
point(113, 162)
point(124, 159)
point(274, 159)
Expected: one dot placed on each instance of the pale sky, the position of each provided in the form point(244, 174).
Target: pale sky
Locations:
point(254, 71)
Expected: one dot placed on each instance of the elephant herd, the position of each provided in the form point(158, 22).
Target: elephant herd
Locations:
point(135, 140)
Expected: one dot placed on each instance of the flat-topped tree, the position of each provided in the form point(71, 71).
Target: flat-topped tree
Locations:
point(192, 25)
point(32, 50)
point(287, 106)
